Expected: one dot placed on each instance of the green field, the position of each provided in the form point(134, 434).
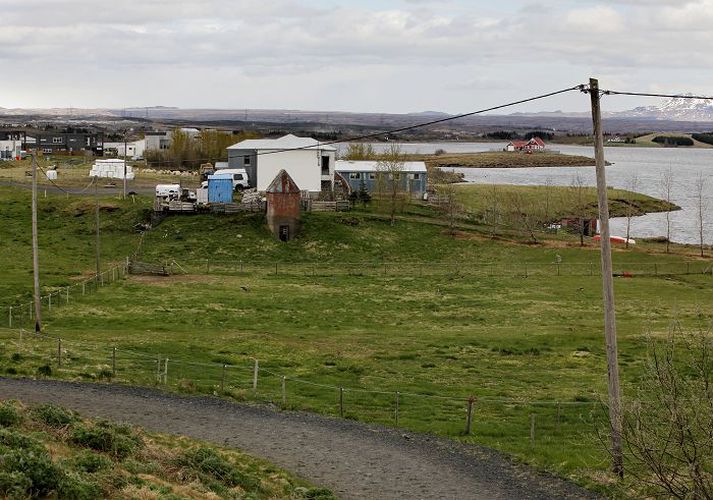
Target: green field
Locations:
point(356, 303)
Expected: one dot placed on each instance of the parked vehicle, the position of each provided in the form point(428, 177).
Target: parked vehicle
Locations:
point(239, 176)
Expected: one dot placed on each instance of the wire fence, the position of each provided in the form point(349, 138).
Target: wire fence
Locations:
point(520, 421)
point(24, 313)
point(424, 269)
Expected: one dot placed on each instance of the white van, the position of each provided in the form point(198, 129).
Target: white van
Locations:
point(238, 175)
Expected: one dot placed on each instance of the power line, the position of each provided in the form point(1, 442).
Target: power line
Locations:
point(647, 94)
point(580, 87)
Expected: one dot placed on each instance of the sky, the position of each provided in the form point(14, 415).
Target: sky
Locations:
point(337, 55)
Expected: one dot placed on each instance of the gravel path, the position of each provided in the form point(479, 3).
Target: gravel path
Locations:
point(355, 460)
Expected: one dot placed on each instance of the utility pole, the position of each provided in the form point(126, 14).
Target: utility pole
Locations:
point(124, 195)
point(96, 224)
point(615, 418)
point(35, 249)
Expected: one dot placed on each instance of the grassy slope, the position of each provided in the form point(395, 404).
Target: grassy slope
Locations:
point(502, 159)
point(51, 452)
point(447, 332)
point(647, 140)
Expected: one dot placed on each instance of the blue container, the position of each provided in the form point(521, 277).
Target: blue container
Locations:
point(220, 189)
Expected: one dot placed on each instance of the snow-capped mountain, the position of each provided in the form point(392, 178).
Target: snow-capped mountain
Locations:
point(678, 109)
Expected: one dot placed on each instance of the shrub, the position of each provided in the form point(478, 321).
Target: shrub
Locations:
point(14, 485)
point(16, 440)
point(91, 462)
point(73, 487)
point(673, 140)
point(16, 357)
point(215, 466)
point(117, 440)
point(706, 138)
point(53, 415)
point(9, 415)
point(44, 370)
point(36, 466)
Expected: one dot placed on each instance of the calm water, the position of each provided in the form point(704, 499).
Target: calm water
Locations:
point(648, 164)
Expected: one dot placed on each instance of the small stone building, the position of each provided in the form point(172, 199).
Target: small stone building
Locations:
point(283, 206)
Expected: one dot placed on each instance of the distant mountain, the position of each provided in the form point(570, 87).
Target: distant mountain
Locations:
point(677, 109)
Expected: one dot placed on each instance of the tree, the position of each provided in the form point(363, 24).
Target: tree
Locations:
point(666, 188)
point(631, 186)
point(182, 148)
point(363, 194)
point(578, 191)
point(448, 198)
point(390, 168)
point(701, 208)
point(359, 151)
point(668, 426)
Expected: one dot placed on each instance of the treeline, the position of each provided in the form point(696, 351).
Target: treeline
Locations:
point(673, 140)
point(706, 138)
point(506, 135)
point(187, 152)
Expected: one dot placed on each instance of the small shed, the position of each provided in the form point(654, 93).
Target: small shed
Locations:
point(283, 206)
point(220, 189)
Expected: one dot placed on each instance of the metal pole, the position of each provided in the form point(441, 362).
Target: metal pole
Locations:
point(284, 390)
point(124, 193)
point(341, 402)
point(35, 249)
point(222, 380)
point(607, 285)
point(59, 352)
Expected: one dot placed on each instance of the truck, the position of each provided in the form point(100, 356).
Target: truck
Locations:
point(239, 176)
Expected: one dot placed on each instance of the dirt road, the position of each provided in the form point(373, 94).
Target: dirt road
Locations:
point(355, 460)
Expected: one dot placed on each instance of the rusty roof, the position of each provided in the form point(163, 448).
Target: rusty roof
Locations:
point(282, 183)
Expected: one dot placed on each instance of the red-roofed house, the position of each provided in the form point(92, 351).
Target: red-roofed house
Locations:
point(534, 144)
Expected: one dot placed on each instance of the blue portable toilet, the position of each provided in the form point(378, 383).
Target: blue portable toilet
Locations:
point(220, 189)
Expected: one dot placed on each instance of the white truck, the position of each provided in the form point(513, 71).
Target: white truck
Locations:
point(238, 175)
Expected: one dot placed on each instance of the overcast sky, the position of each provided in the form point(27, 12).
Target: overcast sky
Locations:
point(368, 55)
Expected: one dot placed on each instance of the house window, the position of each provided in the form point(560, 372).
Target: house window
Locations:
point(354, 175)
point(47, 150)
point(325, 165)
point(246, 161)
point(415, 177)
point(372, 176)
point(56, 140)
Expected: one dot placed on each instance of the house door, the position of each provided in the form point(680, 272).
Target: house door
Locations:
point(284, 232)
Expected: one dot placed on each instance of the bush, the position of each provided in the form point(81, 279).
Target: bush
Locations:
point(16, 357)
point(209, 462)
point(91, 462)
point(705, 138)
point(673, 140)
point(73, 487)
point(117, 440)
point(54, 416)
point(9, 415)
point(44, 370)
point(16, 440)
point(14, 485)
point(36, 466)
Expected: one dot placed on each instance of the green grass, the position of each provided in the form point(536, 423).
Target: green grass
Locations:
point(361, 304)
point(51, 452)
point(504, 159)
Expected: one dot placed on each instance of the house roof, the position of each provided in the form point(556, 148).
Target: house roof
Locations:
point(537, 141)
point(283, 143)
point(282, 183)
point(373, 166)
point(518, 144)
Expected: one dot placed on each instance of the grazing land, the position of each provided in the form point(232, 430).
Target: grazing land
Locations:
point(51, 452)
point(503, 159)
point(357, 303)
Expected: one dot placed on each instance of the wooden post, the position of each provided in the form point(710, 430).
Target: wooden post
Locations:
point(341, 402)
point(241, 266)
point(9, 318)
point(284, 390)
point(35, 249)
point(97, 245)
point(165, 370)
point(275, 268)
point(59, 352)
point(256, 369)
point(158, 369)
point(49, 302)
point(84, 290)
point(67, 295)
point(113, 362)
point(222, 379)
point(607, 285)
point(469, 416)
point(559, 412)
point(396, 412)
point(532, 429)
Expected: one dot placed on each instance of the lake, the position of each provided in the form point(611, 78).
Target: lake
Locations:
point(648, 164)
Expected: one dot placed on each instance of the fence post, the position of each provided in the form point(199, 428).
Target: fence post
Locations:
point(656, 269)
point(113, 274)
point(532, 429)
point(207, 267)
point(67, 295)
point(256, 369)
point(59, 353)
point(222, 379)
point(558, 269)
point(341, 402)
point(165, 371)
point(31, 316)
point(9, 318)
point(113, 362)
point(241, 266)
point(469, 416)
point(284, 390)
point(396, 412)
point(84, 284)
point(275, 268)
point(49, 302)
point(158, 369)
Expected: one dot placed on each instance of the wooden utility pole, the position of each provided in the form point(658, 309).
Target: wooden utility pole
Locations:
point(615, 418)
point(35, 248)
point(96, 224)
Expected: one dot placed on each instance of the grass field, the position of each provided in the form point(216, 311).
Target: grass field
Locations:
point(50, 452)
point(503, 159)
point(360, 304)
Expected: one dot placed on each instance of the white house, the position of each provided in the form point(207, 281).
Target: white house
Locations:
point(310, 164)
point(134, 149)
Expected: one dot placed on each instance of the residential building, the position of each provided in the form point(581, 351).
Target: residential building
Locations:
point(134, 149)
point(65, 142)
point(413, 176)
point(534, 144)
point(157, 140)
point(11, 143)
point(308, 163)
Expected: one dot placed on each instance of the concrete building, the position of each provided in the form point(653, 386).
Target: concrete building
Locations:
point(134, 149)
point(157, 140)
point(413, 176)
point(310, 164)
point(283, 206)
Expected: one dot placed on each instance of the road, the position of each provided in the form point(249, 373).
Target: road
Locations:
point(355, 460)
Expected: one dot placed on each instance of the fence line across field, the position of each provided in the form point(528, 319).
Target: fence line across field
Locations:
point(257, 383)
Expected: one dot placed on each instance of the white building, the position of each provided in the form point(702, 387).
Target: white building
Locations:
point(10, 149)
point(113, 169)
point(134, 149)
point(310, 164)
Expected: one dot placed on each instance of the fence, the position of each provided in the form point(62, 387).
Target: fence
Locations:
point(521, 422)
point(20, 314)
point(424, 269)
